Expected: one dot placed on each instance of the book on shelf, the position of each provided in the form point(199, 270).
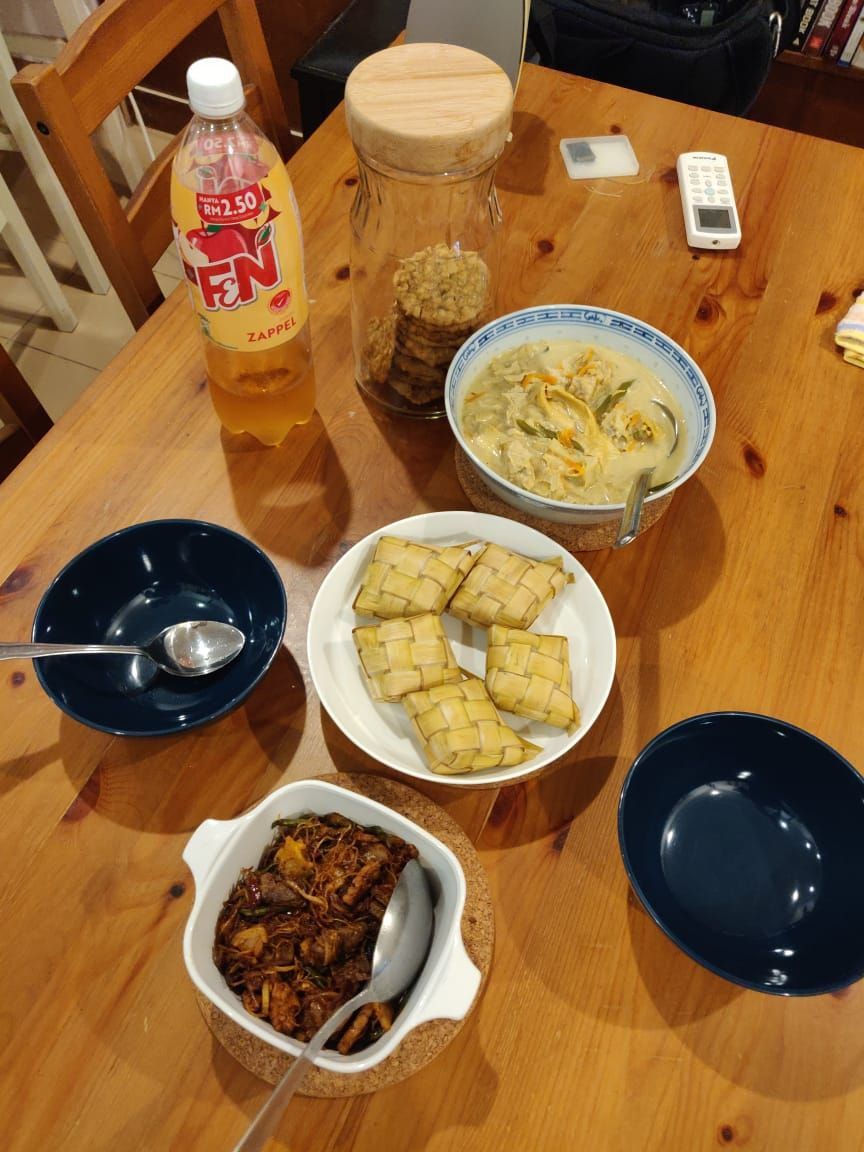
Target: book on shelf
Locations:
point(840, 32)
point(853, 41)
point(809, 11)
point(821, 28)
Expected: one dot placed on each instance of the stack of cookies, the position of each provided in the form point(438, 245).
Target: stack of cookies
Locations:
point(441, 296)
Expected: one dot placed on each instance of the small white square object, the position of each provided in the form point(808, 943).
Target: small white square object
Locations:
point(591, 157)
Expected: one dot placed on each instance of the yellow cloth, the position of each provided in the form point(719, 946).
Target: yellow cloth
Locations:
point(850, 333)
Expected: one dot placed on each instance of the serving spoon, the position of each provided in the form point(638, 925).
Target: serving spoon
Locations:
point(628, 529)
point(192, 648)
point(400, 952)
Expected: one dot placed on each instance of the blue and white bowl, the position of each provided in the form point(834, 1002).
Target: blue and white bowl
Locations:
point(605, 328)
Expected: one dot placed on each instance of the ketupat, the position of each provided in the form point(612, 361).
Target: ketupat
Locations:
point(503, 587)
point(401, 656)
point(460, 730)
point(406, 578)
point(528, 673)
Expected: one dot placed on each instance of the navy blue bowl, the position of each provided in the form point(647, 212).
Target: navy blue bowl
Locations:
point(743, 836)
point(126, 588)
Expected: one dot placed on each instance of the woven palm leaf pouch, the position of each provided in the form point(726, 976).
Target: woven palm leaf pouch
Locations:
point(406, 578)
point(401, 656)
point(503, 587)
point(460, 730)
point(528, 674)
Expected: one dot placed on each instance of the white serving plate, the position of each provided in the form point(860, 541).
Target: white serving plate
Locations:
point(217, 851)
point(384, 730)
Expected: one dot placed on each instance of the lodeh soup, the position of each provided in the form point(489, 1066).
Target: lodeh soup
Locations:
point(571, 421)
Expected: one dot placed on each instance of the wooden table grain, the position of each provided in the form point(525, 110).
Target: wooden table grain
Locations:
point(594, 1032)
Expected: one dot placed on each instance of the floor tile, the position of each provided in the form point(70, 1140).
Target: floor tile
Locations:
point(58, 383)
point(169, 263)
point(29, 198)
point(167, 283)
point(103, 329)
point(19, 300)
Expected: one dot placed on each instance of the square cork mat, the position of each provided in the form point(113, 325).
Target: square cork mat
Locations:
point(423, 1043)
point(573, 537)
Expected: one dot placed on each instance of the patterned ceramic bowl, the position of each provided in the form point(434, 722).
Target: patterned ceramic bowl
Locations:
point(601, 327)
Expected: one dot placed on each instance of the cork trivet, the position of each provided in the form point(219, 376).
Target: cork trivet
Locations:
point(425, 1042)
point(573, 537)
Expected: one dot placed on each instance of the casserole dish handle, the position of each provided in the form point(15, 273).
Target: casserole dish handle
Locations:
point(453, 993)
point(205, 844)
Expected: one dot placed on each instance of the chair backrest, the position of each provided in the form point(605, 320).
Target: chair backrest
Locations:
point(66, 100)
point(495, 28)
point(25, 421)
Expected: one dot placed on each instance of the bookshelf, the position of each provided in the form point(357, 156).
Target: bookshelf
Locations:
point(817, 64)
point(808, 94)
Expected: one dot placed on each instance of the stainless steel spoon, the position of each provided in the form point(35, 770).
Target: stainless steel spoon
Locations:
point(400, 952)
point(192, 648)
point(628, 529)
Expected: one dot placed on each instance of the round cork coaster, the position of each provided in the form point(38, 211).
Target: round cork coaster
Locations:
point(426, 1041)
point(573, 537)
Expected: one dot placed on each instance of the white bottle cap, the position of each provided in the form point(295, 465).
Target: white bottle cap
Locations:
point(214, 86)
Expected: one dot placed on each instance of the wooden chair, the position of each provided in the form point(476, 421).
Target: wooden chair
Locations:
point(66, 100)
point(25, 421)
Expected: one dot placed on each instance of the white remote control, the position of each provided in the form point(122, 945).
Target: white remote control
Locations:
point(710, 214)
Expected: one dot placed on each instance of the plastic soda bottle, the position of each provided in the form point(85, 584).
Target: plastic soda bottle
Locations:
point(238, 234)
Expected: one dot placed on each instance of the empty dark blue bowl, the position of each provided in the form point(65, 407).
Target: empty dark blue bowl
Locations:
point(743, 836)
point(126, 588)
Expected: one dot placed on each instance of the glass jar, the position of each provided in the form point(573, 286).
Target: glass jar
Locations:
point(428, 123)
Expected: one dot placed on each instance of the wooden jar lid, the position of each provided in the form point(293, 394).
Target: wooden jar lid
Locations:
point(428, 108)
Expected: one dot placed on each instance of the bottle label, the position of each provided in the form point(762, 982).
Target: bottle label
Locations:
point(238, 236)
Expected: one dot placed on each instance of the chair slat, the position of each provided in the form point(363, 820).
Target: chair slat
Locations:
point(116, 47)
point(246, 42)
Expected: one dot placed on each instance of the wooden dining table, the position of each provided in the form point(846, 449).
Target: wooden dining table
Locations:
point(593, 1031)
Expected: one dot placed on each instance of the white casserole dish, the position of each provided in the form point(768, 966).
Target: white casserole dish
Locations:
point(218, 849)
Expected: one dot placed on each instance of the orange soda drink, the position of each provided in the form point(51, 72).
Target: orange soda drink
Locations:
point(238, 235)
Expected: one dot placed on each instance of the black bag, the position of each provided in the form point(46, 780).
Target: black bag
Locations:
point(670, 51)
